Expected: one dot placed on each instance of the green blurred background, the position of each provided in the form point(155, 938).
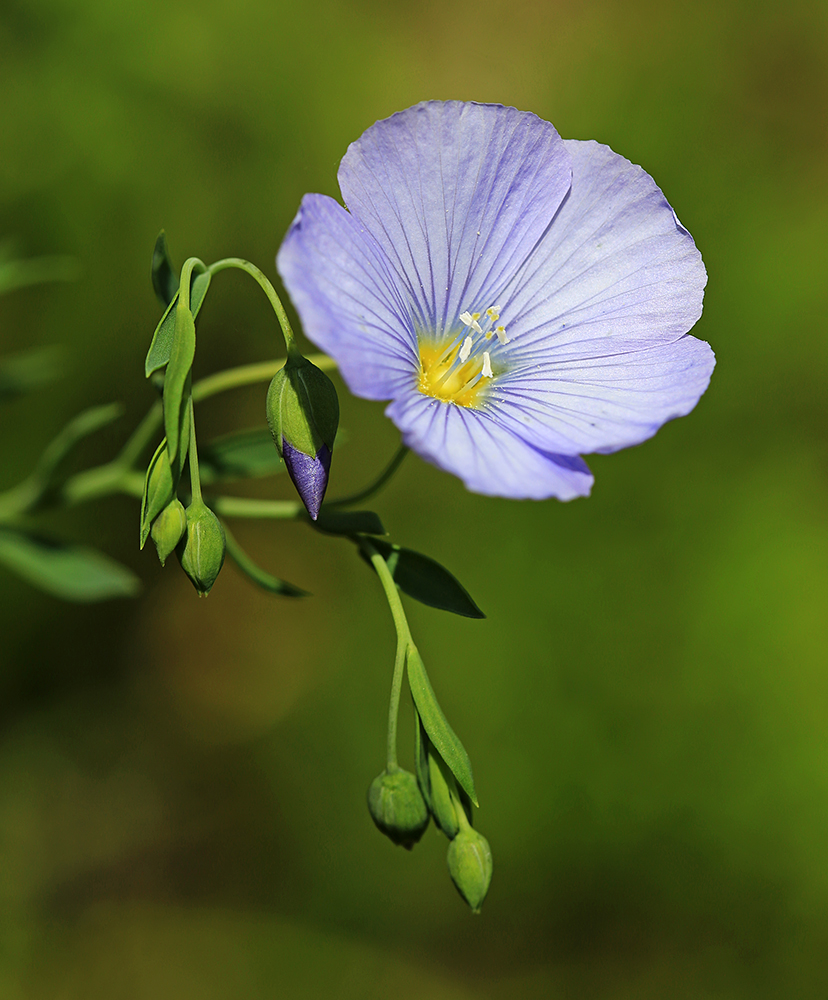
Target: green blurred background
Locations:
point(182, 782)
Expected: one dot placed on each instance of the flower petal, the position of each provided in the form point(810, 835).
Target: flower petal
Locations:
point(457, 195)
point(615, 272)
point(603, 404)
point(349, 300)
point(487, 456)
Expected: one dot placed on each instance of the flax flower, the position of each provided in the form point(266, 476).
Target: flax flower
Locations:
point(521, 299)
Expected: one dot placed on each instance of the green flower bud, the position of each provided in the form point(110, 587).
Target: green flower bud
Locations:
point(168, 529)
point(303, 415)
point(201, 552)
point(470, 866)
point(398, 807)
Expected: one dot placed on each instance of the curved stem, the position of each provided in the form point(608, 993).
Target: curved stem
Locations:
point(378, 483)
point(267, 288)
point(404, 641)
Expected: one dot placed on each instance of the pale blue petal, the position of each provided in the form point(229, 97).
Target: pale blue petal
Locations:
point(456, 195)
point(606, 403)
point(348, 299)
point(615, 272)
point(489, 458)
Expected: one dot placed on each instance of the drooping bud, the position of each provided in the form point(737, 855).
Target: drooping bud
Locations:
point(168, 529)
point(303, 415)
point(201, 551)
point(398, 807)
point(470, 866)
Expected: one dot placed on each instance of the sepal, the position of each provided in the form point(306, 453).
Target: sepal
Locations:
point(202, 550)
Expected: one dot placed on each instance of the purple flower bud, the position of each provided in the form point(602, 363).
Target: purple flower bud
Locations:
point(309, 475)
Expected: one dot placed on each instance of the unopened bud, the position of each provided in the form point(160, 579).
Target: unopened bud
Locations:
point(470, 866)
point(398, 807)
point(202, 551)
point(303, 415)
point(168, 529)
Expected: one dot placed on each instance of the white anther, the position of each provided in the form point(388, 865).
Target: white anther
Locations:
point(469, 319)
point(465, 350)
point(501, 335)
point(487, 366)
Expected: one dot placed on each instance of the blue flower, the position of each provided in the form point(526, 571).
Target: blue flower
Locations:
point(520, 299)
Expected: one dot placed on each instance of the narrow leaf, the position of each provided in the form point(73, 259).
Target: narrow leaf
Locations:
point(36, 271)
point(348, 522)
point(71, 572)
point(164, 281)
point(427, 581)
point(162, 340)
point(442, 736)
point(243, 455)
point(175, 380)
point(421, 758)
point(258, 575)
point(159, 489)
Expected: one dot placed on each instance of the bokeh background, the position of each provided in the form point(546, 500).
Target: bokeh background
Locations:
point(181, 781)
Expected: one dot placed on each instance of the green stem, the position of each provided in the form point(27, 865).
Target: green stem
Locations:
point(248, 507)
point(195, 479)
point(377, 485)
point(404, 642)
point(267, 288)
point(119, 476)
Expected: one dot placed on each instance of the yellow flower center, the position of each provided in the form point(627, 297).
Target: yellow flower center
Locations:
point(458, 369)
point(441, 378)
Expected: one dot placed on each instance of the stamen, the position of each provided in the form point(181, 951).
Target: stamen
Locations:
point(501, 335)
point(465, 350)
point(470, 319)
point(487, 366)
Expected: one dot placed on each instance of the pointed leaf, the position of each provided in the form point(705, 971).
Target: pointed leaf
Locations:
point(159, 489)
point(258, 575)
point(427, 581)
point(439, 732)
point(164, 281)
point(421, 758)
point(162, 340)
point(243, 455)
point(178, 372)
point(71, 572)
point(348, 522)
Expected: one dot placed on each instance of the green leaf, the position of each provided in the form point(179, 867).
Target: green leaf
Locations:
point(164, 281)
point(348, 522)
point(21, 372)
point(427, 581)
point(439, 732)
point(176, 400)
point(159, 489)
point(421, 758)
point(242, 455)
point(162, 340)
point(71, 572)
point(258, 575)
